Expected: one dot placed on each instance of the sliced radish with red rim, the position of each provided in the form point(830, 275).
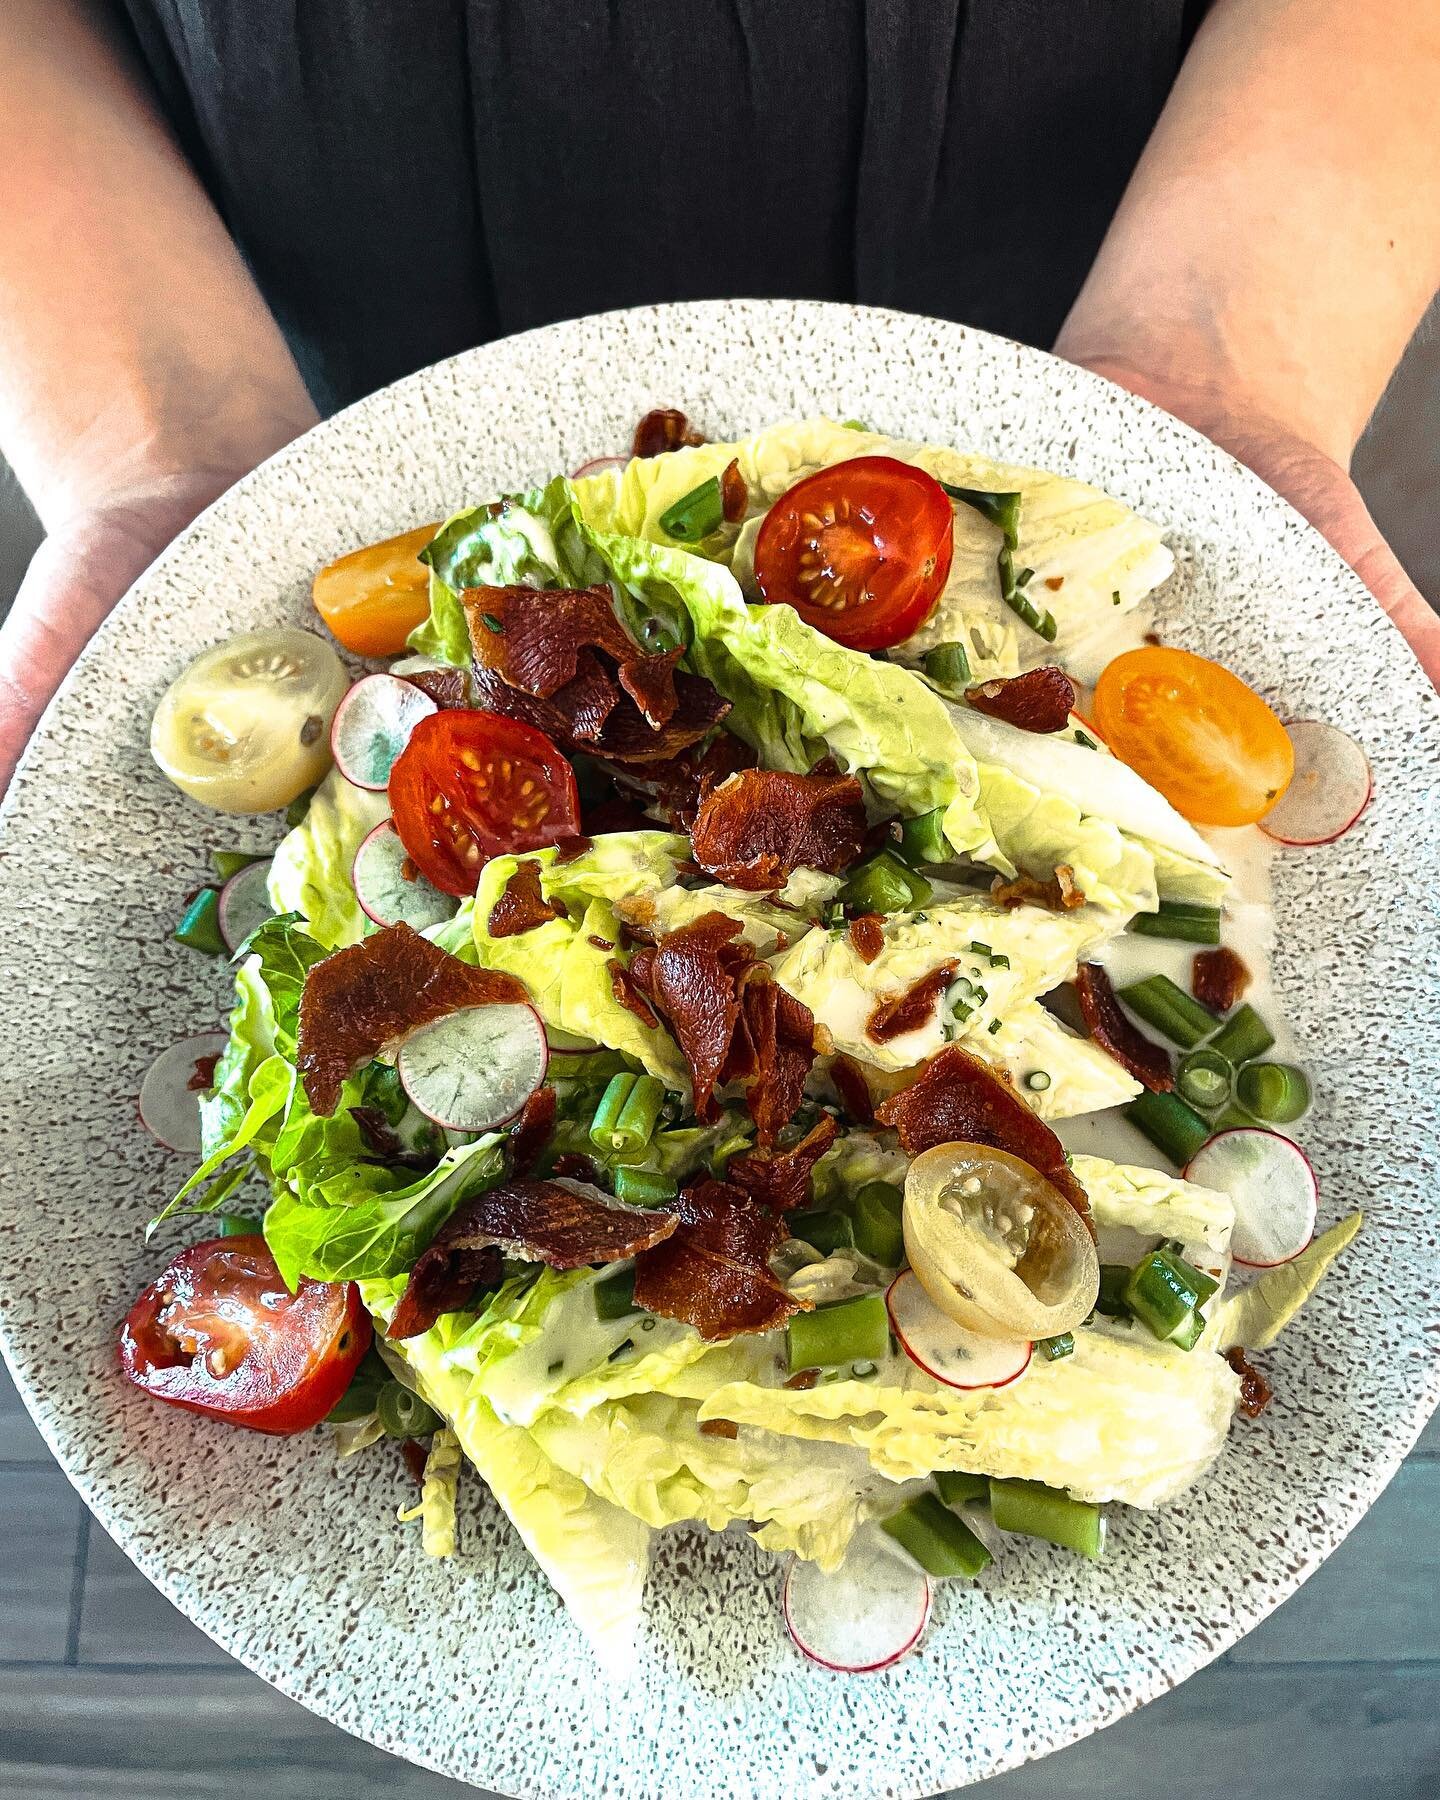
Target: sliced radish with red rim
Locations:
point(372, 725)
point(1328, 792)
point(169, 1104)
point(475, 1069)
point(390, 889)
point(946, 1351)
point(597, 465)
point(1272, 1186)
point(867, 1615)
point(245, 904)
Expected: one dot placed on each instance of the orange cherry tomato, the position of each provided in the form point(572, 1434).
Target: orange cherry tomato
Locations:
point(1210, 744)
point(374, 598)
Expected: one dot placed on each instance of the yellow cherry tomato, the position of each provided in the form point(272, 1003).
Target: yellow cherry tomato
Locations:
point(1210, 744)
point(374, 598)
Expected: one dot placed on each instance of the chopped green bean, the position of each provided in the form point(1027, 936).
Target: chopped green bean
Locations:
point(199, 927)
point(956, 1487)
point(825, 1229)
point(1045, 1512)
point(1054, 1349)
point(232, 1226)
point(403, 1413)
point(1204, 1079)
point(845, 1331)
point(922, 839)
point(885, 885)
point(942, 1543)
point(1184, 921)
point(1164, 1292)
point(359, 1399)
point(948, 667)
point(877, 1210)
point(1111, 1299)
point(696, 514)
point(625, 1119)
point(1161, 1003)
point(1243, 1036)
point(615, 1294)
point(230, 862)
point(1172, 1127)
point(1276, 1092)
point(643, 1187)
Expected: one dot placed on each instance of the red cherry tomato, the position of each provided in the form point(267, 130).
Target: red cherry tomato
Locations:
point(221, 1334)
point(471, 785)
point(861, 550)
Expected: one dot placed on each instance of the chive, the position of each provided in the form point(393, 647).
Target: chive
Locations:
point(1243, 1036)
point(642, 1187)
point(1085, 741)
point(922, 839)
point(1000, 509)
point(1025, 609)
point(940, 1542)
point(1275, 1092)
point(358, 1400)
point(993, 1026)
point(696, 514)
point(231, 862)
point(1204, 1078)
point(885, 885)
point(1054, 1349)
point(1111, 1299)
point(1035, 1510)
point(1171, 1126)
point(956, 1487)
point(826, 1229)
point(876, 1211)
point(239, 1227)
point(1024, 578)
point(948, 666)
point(615, 1294)
point(1037, 1081)
point(1183, 921)
point(1161, 1003)
point(199, 927)
point(845, 1331)
point(403, 1413)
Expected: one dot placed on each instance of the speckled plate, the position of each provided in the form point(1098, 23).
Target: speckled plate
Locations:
point(471, 1667)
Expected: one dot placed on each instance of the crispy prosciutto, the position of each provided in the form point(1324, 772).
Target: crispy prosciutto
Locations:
point(1114, 1031)
point(756, 829)
point(780, 1179)
point(531, 1131)
point(562, 1223)
point(1058, 893)
point(360, 999)
point(664, 428)
point(521, 906)
point(850, 1084)
point(679, 784)
point(591, 715)
point(714, 1272)
point(960, 1100)
point(1219, 978)
point(867, 936)
point(734, 494)
point(1038, 700)
point(909, 1010)
point(448, 688)
point(1256, 1392)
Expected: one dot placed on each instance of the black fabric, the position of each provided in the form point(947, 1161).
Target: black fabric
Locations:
point(411, 177)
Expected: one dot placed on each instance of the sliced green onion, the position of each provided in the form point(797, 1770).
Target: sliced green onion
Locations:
point(696, 514)
point(629, 1110)
point(241, 1227)
point(885, 885)
point(1044, 1512)
point(1184, 921)
point(825, 1229)
point(958, 1488)
point(845, 1331)
point(922, 839)
point(231, 862)
point(948, 666)
point(1235, 1118)
point(1190, 1333)
point(358, 1400)
point(1172, 1127)
point(941, 1542)
point(1037, 1081)
point(1024, 608)
point(1000, 509)
point(643, 1187)
point(1243, 1036)
point(1111, 1299)
point(1161, 1003)
point(1204, 1078)
point(876, 1211)
point(403, 1413)
point(199, 927)
point(1164, 1291)
point(1054, 1349)
point(1275, 1092)
point(615, 1294)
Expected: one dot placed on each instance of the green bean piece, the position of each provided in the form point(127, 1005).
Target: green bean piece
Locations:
point(922, 839)
point(940, 1541)
point(403, 1413)
point(1243, 1036)
point(643, 1187)
point(1161, 1003)
point(1204, 1079)
point(1174, 1128)
point(1111, 1299)
point(957, 1488)
point(877, 1210)
point(885, 885)
point(1278, 1093)
point(1183, 921)
point(845, 1331)
point(199, 927)
point(825, 1229)
point(1055, 1349)
point(1031, 1508)
point(359, 1399)
point(606, 1121)
point(696, 514)
point(1164, 1292)
point(948, 666)
point(615, 1294)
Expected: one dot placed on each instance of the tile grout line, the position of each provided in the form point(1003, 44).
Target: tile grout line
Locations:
point(77, 1589)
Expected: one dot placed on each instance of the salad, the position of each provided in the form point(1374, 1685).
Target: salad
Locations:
point(759, 1019)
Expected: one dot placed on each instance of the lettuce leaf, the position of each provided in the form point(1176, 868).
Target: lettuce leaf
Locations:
point(1083, 1077)
point(1256, 1315)
point(1156, 1205)
point(310, 871)
point(766, 926)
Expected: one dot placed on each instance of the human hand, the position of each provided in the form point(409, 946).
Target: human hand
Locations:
point(1314, 484)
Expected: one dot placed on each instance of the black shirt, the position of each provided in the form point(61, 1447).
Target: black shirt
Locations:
point(410, 177)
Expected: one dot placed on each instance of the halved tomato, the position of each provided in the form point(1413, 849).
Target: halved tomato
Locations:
point(374, 598)
point(220, 1333)
point(1210, 744)
point(471, 785)
point(861, 550)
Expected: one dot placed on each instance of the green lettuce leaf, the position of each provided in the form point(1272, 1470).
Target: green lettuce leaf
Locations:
point(1081, 1077)
point(1256, 1315)
point(1156, 1205)
point(766, 926)
point(310, 871)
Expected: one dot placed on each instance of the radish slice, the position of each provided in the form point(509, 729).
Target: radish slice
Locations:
point(245, 904)
point(169, 1106)
point(372, 725)
point(947, 1351)
point(863, 1618)
point(1328, 792)
point(386, 892)
point(475, 1069)
point(597, 465)
point(1273, 1188)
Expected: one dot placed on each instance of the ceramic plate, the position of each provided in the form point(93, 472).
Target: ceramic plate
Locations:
point(470, 1666)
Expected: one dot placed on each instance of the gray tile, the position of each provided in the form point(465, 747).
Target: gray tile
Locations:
point(39, 1531)
point(1375, 1598)
point(1366, 1733)
point(1429, 1440)
point(123, 1619)
point(1397, 463)
point(82, 1734)
point(20, 1439)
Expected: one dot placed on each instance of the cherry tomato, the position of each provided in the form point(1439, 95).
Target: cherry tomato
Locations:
point(861, 550)
point(1210, 744)
point(374, 598)
point(221, 1334)
point(471, 785)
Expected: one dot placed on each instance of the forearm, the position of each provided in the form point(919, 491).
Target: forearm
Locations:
point(1280, 238)
point(136, 353)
